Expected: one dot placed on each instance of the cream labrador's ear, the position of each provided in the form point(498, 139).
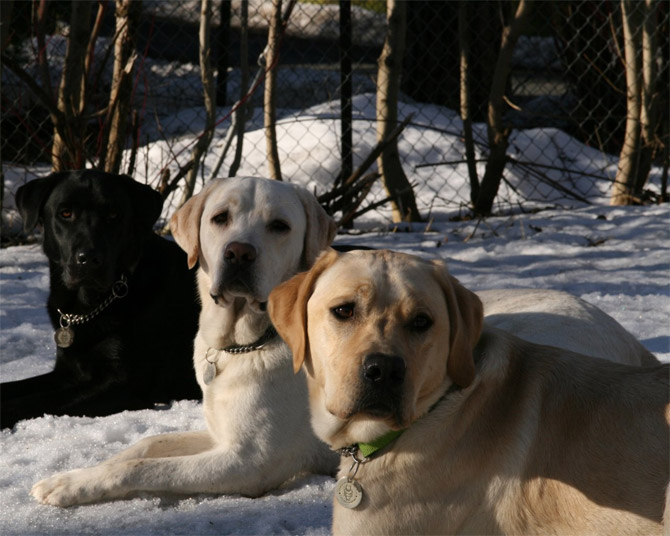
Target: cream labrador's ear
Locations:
point(466, 316)
point(185, 223)
point(320, 230)
point(287, 306)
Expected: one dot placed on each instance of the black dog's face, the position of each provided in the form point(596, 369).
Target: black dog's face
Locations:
point(94, 224)
point(87, 232)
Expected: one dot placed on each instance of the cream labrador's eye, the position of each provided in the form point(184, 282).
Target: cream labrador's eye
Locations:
point(420, 322)
point(279, 226)
point(343, 312)
point(221, 218)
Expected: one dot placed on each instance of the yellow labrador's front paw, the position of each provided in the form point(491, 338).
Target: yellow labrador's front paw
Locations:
point(64, 489)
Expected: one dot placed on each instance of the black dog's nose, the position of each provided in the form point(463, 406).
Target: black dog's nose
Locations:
point(240, 253)
point(87, 257)
point(384, 371)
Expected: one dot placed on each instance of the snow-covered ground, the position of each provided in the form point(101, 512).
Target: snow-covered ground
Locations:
point(616, 258)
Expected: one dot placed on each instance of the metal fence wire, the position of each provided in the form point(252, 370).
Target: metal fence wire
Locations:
point(565, 102)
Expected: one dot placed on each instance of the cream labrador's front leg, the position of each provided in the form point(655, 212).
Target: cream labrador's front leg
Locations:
point(167, 446)
point(214, 471)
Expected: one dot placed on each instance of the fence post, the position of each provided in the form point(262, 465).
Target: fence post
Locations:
point(345, 90)
point(223, 42)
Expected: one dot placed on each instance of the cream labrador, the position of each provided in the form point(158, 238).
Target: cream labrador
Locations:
point(449, 427)
point(248, 234)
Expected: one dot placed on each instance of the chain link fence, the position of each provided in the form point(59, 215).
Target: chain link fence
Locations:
point(565, 97)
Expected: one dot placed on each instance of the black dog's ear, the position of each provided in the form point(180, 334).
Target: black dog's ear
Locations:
point(30, 198)
point(147, 202)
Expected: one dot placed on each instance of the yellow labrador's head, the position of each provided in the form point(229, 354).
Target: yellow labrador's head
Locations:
point(382, 336)
point(249, 234)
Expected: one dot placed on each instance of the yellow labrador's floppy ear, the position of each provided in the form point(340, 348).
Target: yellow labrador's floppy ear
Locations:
point(185, 224)
point(320, 229)
point(287, 307)
point(466, 316)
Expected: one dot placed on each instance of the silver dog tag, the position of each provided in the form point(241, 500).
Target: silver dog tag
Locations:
point(348, 492)
point(64, 337)
point(209, 373)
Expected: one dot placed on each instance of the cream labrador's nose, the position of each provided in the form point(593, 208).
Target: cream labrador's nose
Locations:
point(240, 254)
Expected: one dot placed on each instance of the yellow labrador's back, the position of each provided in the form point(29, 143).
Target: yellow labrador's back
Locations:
point(560, 319)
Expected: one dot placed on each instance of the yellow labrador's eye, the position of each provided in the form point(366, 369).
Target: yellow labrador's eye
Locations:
point(420, 322)
point(279, 226)
point(221, 218)
point(343, 312)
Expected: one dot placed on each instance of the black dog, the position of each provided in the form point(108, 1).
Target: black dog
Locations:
point(122, 301)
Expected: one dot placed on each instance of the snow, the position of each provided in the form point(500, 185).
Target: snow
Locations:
point(615, 258)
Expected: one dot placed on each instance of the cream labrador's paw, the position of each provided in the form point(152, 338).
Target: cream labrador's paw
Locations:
point(71, 488)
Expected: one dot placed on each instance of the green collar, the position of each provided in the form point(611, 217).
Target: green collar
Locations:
point(368, 449)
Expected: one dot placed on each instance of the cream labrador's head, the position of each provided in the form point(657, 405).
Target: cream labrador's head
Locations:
point(249, 234)
point(382, 336)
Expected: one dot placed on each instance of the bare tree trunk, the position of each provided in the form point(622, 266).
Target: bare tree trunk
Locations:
point(640, 143)
point(624, 183)
point(464, 35)
point(649, 118)
point(209, 96)
point(241, 112)
point(269, 111)
point(398, 187)
point(497, 134)
point(127, 19)
point(67, 151)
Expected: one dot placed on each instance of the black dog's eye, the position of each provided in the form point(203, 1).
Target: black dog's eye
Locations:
point(420, 322)
point(279, 226)
point(112, 216)
point(343, 312)
point(66, 214)
point(221, 219)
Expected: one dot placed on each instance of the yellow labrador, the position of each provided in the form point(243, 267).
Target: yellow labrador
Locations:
point(560, 319)
point(450, 427)
point(248, 234)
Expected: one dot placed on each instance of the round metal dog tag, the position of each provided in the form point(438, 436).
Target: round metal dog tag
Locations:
point(348, 492)
point(64, 337)
point(209, 373)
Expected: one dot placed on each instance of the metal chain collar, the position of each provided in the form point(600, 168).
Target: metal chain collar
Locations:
point(119, 290)
point(212, 354)
point(269, 334)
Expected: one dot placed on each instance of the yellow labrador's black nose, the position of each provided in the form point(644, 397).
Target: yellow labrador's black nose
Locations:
point(384, 371)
